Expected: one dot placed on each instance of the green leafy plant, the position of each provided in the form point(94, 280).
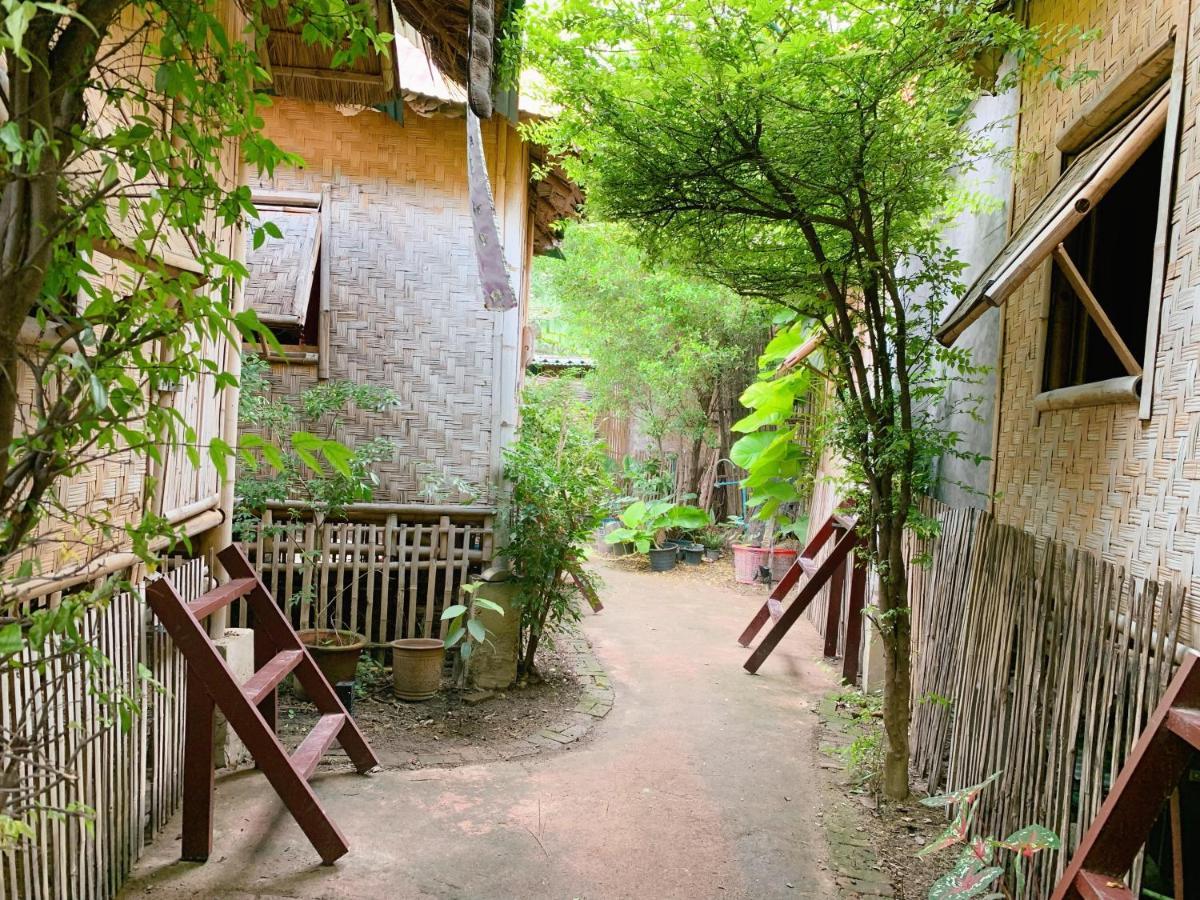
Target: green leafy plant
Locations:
point(124, 127)
point(978, 869)
point(666, 346)
point(646, 525)
point(559, 481)
point(464, 630)
point(292, 454)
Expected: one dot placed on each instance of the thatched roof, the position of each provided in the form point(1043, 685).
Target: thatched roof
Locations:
point(304, 71)
point(553, 198)
point(443, 24)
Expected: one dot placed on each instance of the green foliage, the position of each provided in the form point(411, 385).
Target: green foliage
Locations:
point(659, 340)
point(864, 754)
point(975, 872)
point(124, 128)
point(287, 460)
point(464, 630)
point(557, 470)
point(647, 524)
point(805, 153)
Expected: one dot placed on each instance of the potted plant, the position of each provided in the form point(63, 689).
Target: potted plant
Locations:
point(712, 540)
point(289, 453)
point(645, 525)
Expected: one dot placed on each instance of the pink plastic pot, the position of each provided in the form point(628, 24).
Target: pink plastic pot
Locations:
point(747, 560)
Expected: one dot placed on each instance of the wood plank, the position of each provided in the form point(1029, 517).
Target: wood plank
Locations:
point(198, 771)
point(1093, 886)
point(833, 609)
point(307, 756)
point(265, 680)
point(208, 672)
point(220, 597)
point(1186, 724)
point(1145, 782)
point(794, 610)
point(789, 580)
point(1095, 310)
point(852, 651)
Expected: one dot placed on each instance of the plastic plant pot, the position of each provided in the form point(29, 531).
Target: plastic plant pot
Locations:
point(693, 554)
point(664, 559)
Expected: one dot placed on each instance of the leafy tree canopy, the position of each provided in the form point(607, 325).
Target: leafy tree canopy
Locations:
point(660, 340)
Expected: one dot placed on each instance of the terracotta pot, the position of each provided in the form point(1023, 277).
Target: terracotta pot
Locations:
point(417, 667)
point(336, 654)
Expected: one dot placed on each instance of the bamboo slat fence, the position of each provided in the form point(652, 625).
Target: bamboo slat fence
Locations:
point(385, 576)
point(1036, 659)
point(131, 778)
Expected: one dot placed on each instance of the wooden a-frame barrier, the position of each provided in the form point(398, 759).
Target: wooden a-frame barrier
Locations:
point(1159, 760)
point(832, 570)
point(251, 708)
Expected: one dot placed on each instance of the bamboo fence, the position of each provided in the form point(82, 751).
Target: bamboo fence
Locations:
point(130, 778)
point(384, 576)
point(1038, 660)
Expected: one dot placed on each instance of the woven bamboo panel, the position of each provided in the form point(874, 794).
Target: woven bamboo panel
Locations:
point(1099, 478)
point(405, 309)
point(276, 266)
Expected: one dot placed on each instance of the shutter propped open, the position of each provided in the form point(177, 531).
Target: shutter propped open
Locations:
point(1079, 188)
point(282, 270)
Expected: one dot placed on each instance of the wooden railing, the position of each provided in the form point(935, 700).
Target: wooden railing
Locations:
point(386, 571)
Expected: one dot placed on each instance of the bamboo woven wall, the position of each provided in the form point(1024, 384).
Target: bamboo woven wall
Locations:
point(405, 307)
point(1100, 478)
point(114, 488)
point(132, 779)
point(386, 578)
point(1035, 659)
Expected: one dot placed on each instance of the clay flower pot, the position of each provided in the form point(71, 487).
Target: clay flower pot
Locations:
point(417, 667)
point(336, 653)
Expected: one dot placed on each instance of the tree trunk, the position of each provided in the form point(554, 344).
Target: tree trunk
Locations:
point(695, 473)
point(895, 630)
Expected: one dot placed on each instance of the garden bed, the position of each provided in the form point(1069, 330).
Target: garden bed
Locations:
point(449, 729)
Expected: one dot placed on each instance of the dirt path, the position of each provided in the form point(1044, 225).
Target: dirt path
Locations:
point(702, 781)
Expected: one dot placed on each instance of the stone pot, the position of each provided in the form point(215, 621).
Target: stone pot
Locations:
point(663, 560)
point(335, 652)
point(417, 667)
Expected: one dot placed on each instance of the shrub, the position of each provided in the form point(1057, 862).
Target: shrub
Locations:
point(559, 482)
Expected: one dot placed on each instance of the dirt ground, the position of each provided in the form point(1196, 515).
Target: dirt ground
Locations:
point(450, 729)
point(702, 781)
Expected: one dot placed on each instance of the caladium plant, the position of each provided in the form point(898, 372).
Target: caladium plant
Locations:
point(976, 872)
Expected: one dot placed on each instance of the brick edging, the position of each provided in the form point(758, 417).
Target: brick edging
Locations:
point(595, 700)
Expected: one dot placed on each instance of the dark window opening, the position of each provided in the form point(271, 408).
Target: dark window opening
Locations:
point(1113, 248)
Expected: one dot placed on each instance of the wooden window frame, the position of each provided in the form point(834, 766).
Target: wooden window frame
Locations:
point(318, 268)
point(1137, 386)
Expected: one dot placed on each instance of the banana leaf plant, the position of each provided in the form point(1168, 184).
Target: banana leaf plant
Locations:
point(645, 525)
